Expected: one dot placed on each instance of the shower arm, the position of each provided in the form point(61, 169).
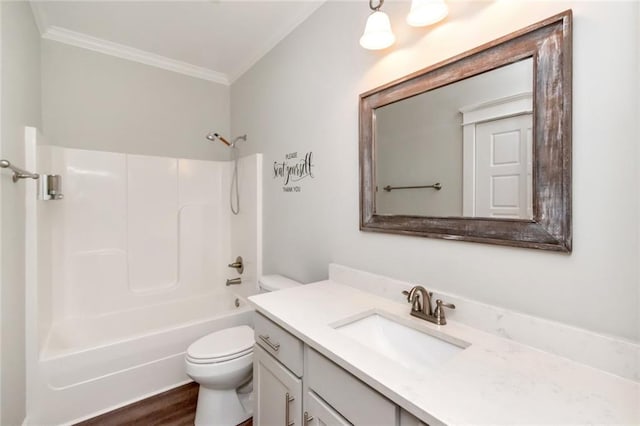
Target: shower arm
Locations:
point(223, 140)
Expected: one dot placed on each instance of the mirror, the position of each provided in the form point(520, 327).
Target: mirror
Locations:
point(459, 150)
point(475, 148)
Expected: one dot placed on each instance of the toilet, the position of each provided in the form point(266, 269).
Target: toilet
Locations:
point(222, 364)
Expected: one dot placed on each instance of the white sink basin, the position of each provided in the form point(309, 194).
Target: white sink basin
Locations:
point(407, 346)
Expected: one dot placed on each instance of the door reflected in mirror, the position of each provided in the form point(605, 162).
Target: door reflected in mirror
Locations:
point(461, 150)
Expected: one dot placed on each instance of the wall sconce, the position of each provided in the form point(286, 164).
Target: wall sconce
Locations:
point(377, 33)
point(426, 12)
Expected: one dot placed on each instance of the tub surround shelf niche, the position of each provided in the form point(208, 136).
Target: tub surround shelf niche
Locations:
point(496, 380)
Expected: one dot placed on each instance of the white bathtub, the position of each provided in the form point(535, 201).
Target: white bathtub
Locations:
point(92, 365)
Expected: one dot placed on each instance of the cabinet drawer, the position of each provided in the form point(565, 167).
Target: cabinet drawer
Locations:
point(279, 343)
point(357, 402)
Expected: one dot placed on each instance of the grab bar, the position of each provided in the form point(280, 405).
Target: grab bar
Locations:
point(18, 173)
point(437, 186)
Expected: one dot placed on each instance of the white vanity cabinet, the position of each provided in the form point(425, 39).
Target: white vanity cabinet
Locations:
point(354, 400)
point(277, 392)
point(295, 385)
point(318, 413)
point(277, 375)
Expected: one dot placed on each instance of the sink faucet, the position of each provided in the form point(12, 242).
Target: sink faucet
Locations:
point(420, 300)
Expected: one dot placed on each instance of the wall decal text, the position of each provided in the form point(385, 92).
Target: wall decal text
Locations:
point(293, 169)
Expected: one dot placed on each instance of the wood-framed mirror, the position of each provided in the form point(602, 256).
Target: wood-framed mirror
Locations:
point(477, 147)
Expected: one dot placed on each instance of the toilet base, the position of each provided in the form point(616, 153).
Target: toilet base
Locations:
point(220, 408)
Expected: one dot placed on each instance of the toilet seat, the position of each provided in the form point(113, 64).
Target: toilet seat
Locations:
point(221, 346)
point(215, 360)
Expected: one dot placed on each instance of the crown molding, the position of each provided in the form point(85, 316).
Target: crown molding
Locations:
point(106, 47)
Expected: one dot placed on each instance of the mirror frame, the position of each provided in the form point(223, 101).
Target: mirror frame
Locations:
point(549, 43)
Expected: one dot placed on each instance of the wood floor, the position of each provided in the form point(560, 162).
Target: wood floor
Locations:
point(175, 407)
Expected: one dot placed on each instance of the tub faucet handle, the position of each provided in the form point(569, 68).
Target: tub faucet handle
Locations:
point(238, 265)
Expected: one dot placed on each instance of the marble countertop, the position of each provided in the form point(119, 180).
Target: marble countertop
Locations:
point(492, 381)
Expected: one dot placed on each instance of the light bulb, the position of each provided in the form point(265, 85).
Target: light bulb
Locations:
point(426, 12)
point(377, 33)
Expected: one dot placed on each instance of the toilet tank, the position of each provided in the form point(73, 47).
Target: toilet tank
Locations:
point(268, 283)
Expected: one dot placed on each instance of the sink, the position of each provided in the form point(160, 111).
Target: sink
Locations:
point(405, 345)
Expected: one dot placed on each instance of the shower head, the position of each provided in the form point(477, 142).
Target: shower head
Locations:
point(213, 136)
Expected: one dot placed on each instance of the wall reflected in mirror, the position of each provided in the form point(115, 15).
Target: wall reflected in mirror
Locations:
point(471, 138)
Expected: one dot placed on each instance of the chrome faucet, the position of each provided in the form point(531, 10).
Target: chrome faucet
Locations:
point(420, 300)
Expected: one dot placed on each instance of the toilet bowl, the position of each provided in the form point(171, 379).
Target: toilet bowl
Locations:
point(222, 364)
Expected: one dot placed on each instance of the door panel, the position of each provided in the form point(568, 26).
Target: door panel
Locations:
point(272, 383)
point(319, 413)
point(503, 168)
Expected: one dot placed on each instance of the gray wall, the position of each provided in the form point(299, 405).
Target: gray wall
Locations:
point(100, 102)
point(20, 106)
point(304, 96)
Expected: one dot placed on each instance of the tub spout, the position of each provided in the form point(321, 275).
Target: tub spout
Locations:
point(234, 281)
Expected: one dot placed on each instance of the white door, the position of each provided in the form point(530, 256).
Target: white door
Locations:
point(319, 413)
point(277, 392)
point(503, 168)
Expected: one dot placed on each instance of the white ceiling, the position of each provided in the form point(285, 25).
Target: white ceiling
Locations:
point(223, 37)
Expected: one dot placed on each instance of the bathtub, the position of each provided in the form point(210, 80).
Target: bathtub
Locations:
point(89, 366)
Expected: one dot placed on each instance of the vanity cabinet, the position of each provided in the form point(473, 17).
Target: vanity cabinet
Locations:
point(295, 385)
point(318, 412)
point(354, 400)
point(277, 392)
point(277, 375)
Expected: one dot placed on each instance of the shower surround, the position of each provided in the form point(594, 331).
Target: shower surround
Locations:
point(132, 265)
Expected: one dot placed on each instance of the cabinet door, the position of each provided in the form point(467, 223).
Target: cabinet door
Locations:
point(319, 413)
point(354, 400)
point(278, 393)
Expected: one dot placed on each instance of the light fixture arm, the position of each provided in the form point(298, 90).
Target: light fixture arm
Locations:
point(376, 8)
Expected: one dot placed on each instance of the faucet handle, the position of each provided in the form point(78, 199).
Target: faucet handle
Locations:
point(439, 311)
point(439, 302)
point(408, 294)
point(416, 304)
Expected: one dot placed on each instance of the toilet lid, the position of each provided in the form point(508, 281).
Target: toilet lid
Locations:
point(222, 345)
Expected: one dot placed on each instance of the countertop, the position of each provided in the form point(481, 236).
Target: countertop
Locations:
point(492, 381)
